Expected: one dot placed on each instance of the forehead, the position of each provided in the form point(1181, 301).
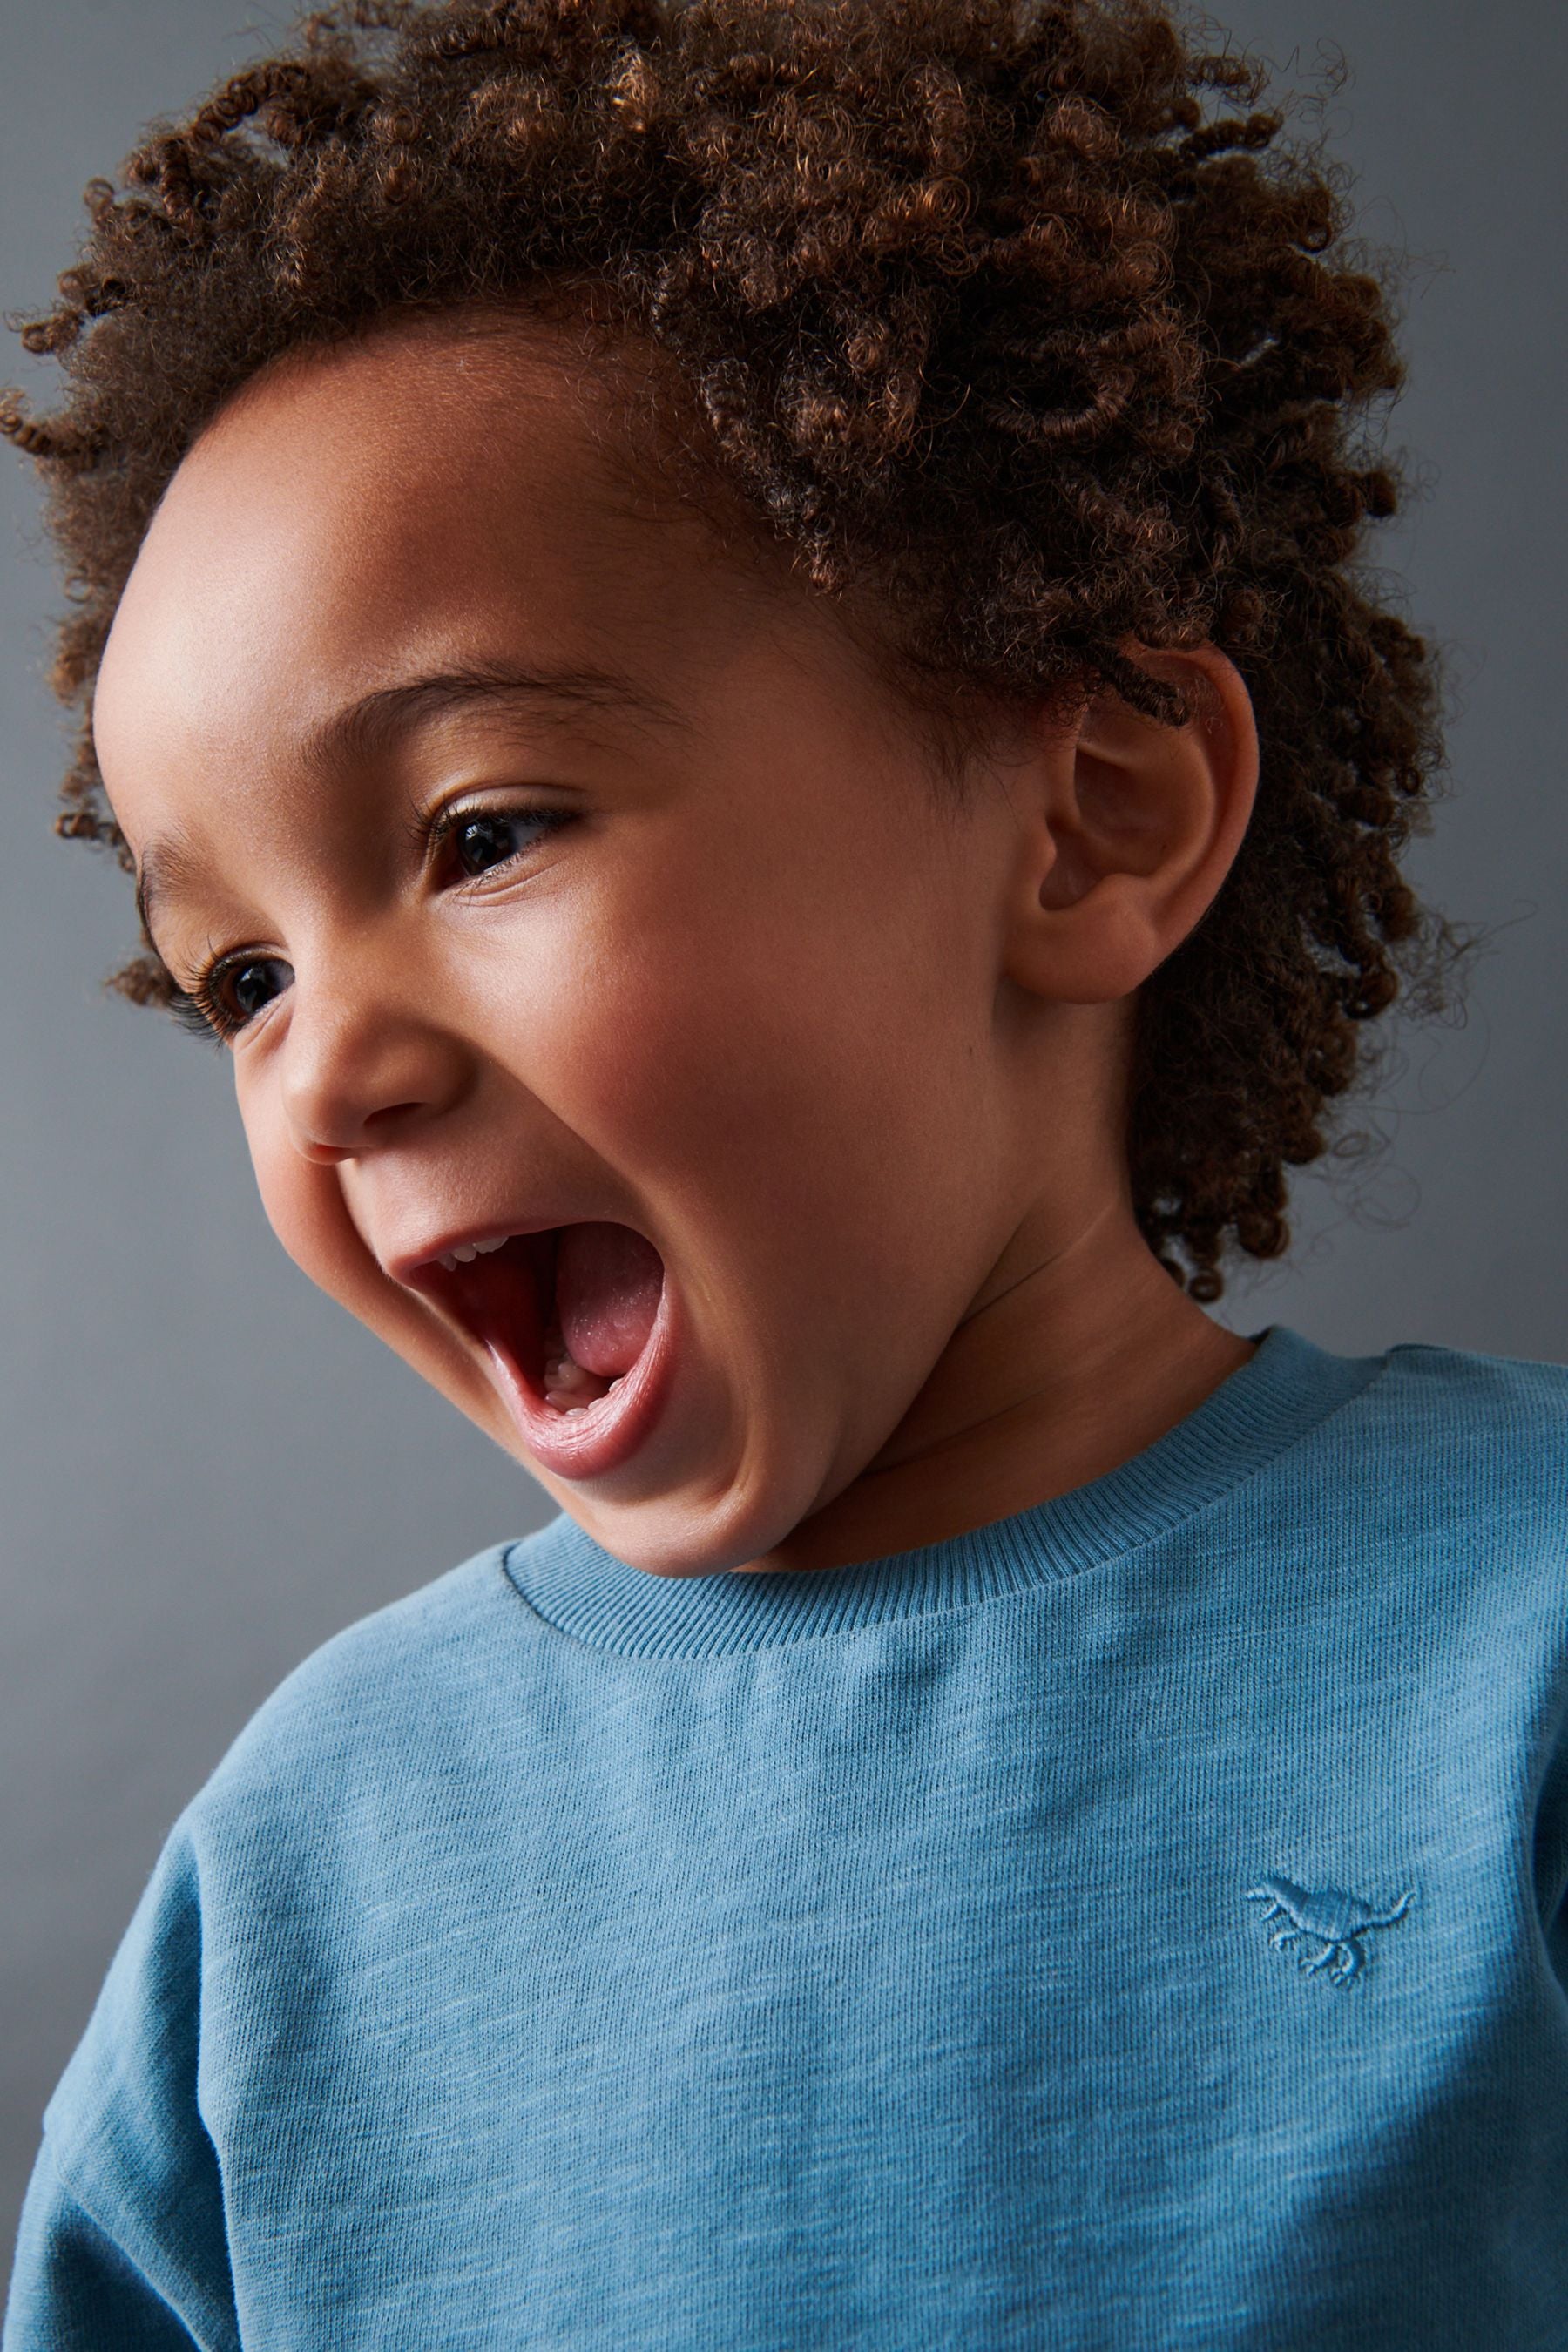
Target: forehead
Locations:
point(427, 499)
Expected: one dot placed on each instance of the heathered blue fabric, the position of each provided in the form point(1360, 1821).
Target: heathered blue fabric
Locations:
point(883, 1959)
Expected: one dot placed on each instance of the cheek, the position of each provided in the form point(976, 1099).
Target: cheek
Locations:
point(761, 1063)
point(304, 1206)
point(684, 1054)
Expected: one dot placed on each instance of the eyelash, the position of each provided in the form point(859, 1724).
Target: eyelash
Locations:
point(199, 1008)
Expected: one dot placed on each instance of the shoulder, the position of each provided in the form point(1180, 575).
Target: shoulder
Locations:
point(1497, 1423)
point(313, 1792)
point(1441, 1468)
point(1455, 1464)
point(322, 1781)
point(1504, 1389)
point(378, 1698)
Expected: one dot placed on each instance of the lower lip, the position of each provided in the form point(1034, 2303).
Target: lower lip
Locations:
point(603, 1434)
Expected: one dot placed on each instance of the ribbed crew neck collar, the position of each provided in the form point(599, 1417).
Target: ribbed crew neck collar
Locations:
point(1284, 1388)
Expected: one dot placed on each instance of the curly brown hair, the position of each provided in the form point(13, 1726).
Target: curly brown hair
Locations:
point(1021, 317)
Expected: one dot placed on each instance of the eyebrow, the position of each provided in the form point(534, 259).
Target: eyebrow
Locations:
point(364, 729)
point(167, 870)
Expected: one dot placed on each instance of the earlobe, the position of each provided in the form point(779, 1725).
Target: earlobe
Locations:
point(1134, 826)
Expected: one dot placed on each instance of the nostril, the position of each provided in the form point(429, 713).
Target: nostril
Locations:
point(329, 1129)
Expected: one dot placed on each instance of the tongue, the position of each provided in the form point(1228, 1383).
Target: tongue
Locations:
point(607, 1285)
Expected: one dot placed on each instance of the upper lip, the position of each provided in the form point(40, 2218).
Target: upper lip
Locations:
point(414, 1267)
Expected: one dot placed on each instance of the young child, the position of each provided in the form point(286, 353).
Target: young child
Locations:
point(728, 644)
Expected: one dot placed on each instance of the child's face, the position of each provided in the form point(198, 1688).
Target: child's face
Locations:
point(743, 999)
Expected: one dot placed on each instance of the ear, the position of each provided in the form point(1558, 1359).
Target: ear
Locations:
point(1129, 827)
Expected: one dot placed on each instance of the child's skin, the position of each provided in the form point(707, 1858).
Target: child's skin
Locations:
point(854, 1061)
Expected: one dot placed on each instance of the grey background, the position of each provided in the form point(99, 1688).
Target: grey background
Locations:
point(205, 1468)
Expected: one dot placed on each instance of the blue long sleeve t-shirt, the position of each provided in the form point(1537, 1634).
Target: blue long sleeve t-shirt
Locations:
point(1138, 1923)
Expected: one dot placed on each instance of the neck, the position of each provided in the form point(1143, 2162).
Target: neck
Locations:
point(1077, 1353)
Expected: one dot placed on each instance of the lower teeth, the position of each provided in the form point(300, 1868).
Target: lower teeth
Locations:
point(562, 1406)
point(567, 1383)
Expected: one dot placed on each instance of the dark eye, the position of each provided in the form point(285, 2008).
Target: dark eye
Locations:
point(244, 989)
point(226, 997)
point(481, 842)
point(484, 839)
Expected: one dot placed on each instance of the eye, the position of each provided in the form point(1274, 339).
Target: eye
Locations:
point(225, 999)
point(248, 986)
point(479, 840)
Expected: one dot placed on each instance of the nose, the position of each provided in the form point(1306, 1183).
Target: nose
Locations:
point(360, 1071)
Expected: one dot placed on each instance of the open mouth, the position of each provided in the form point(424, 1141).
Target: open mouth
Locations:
point(571, 1318)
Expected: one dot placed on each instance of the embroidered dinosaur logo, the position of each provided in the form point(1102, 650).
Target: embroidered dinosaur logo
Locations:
point(1331, 1918)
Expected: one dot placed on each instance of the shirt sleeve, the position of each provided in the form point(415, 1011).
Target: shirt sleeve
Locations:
point(123, 2245)
point(74, 2290)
